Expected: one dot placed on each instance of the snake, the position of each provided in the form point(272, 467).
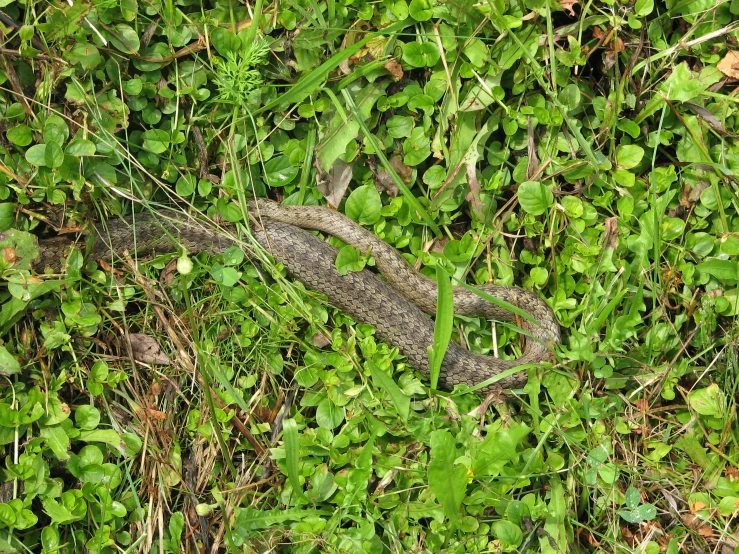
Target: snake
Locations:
point(396, 306)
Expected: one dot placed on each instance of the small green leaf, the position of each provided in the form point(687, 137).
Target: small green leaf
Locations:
point(708, 401)
point(628, 156)
point(424, 54)
point(20, 135)
point(8, 364)
point(364, 205)
point(420, 10)
point(156, 141)
point(81, 147)
point(535, 197)
point(36, 155)
point(349, 259)
point(279, 172)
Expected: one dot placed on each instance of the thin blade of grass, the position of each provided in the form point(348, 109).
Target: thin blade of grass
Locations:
point(443, 325)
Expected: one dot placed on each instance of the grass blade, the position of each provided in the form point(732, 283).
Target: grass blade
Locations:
point(443, 326)
point(292, 455)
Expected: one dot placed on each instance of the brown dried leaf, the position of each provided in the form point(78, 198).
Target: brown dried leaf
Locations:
point(9, 255)
point(146, 350)
point(156, 414)
point(332, 184)
point(695, 194)
point(610, 239)
point(169, 273)
point(320, 340)
point(404, 172)
point(385, 182)
point(705, 531)
point(395, 70)
point(708, 117)
point(567, 6)
point(729, 66)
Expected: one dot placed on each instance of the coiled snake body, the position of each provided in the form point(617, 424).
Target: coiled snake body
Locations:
point(395, 308)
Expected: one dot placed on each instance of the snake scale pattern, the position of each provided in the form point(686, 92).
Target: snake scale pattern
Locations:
point(395, 307)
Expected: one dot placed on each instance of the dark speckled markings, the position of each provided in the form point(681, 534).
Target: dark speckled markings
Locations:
point(395, 309)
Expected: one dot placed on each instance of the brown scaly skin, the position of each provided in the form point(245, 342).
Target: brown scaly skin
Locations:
point(395, 308)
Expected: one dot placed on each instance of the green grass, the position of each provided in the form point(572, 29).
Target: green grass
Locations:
point(590, 157)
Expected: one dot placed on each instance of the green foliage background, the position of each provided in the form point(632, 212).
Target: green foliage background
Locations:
point(586, 151)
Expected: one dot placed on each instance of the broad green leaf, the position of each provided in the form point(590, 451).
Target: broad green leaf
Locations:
point(81, 147)
point(708, 401)
point(7, 215)
point(8, 364)
point(53, 155)
point(384, 381)
point(424, 54)
point(421, 10)
point(447, 480)
point(328, 415)
point(279, 172)
point(107, 436)
point(507, 532)
point(349, 259)
point(36, 155)
point(20, 135)
point(125, 39)
point(364, 205)
point(628, 156)
point(57, 440)
point(535, 197)
point(723, 270)
point(399, 126)
point(156, 141)
point(87, 417)
point(85, 54)
point(292, 454)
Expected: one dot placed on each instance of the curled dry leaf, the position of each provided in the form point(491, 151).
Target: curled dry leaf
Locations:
point(385, 182)
point(395, 70)
point(610, 237)
point(332, 184)
point(729, 66)
point(567, 5)
point(320, 340)
point(708, 117)
point(146, 350)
